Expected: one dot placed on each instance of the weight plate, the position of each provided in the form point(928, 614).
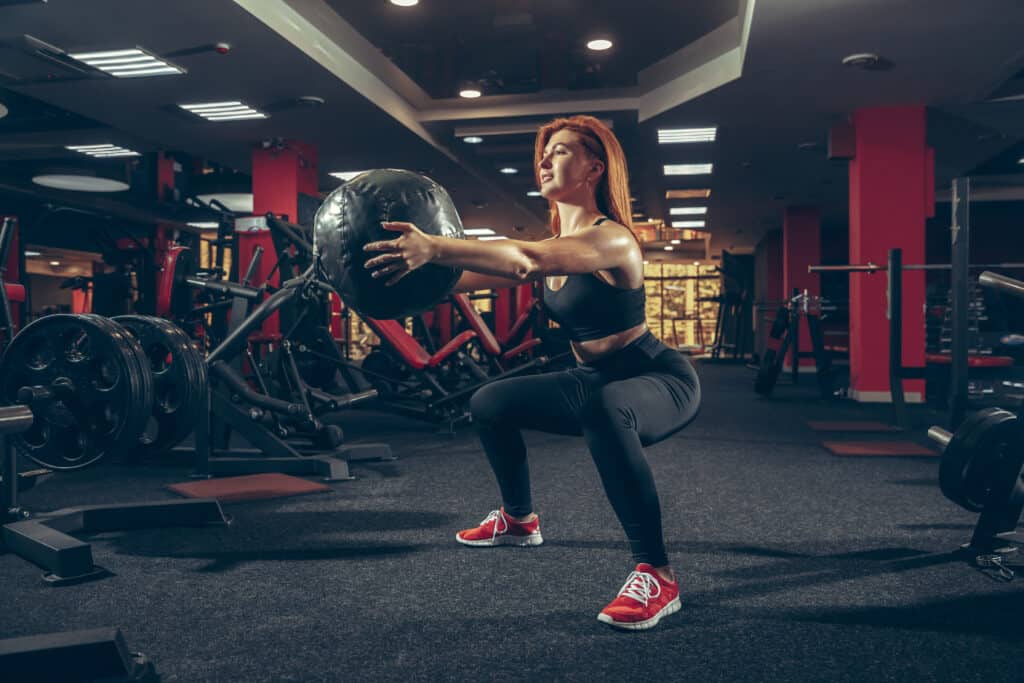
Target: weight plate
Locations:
point(179, 382)
point(970, 460)
point(91, 389)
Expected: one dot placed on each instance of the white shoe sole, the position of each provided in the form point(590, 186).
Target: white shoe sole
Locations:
point(670, 608)
point(504, 539)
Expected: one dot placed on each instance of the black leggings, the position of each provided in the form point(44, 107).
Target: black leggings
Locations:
point(635, 397)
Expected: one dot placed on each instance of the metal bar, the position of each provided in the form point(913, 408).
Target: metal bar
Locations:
point(940, 436)
point(1004, 284)
point(894, 311)
point(960, 231)
point(873, 267)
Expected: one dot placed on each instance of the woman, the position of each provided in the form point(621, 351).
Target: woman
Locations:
point(627, 389)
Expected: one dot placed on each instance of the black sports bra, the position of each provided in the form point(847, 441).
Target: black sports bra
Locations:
point(588, 308)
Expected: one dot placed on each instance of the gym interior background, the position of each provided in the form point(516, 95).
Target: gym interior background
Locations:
point(817, 508)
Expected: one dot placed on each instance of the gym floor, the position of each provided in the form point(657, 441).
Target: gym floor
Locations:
point(795, 565)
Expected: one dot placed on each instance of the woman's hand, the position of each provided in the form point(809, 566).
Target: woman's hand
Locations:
point(400, 256)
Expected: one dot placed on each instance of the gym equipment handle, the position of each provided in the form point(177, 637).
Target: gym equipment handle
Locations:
point(15, 419)
point(1003, 283)
point(940, 436)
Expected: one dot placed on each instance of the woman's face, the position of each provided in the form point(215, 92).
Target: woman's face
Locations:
point(567, 169)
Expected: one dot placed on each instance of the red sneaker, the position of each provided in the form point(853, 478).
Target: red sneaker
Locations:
point(500, 529)
point(643, 600)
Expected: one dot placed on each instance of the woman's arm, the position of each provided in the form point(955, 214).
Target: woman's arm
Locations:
point(588, 250)
point(472, 282)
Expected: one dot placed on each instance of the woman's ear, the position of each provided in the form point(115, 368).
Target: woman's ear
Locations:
point(597, 170)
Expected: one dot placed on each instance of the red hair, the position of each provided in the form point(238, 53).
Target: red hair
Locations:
point(612, 191)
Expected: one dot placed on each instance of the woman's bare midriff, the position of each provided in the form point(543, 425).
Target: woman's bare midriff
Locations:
point(594, 349)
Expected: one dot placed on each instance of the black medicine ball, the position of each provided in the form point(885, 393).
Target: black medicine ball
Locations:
point(351, 217)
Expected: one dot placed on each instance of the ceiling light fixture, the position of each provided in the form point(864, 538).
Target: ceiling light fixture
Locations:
point(533, 193)
point(3, 110)
point(687, 169)
point(687, 194)
point(223, 111)
point(204, 225)
point(687, 224)
point(472, 139)
point(687, 210)
point(668, 136)
point(405, 3)
point(345, 175)
point(55, 263)
point(868, 61)
point(470, 92)
point(677, 241)
point(478, 231)
point(134, 63)
point(492, 237)
point(508, 170)
point(30, 254)
point(236, 202)
point(599, 44)
point(79, 183)
point(669, 248)
point(103, 151)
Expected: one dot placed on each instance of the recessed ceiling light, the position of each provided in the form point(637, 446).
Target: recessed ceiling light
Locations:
point(687, 210)
point(677, 241)
point(669, 248)
point(696, 263)
point(134, 63)
point(30, 254)
point(3, 110)
point(205, 225)
point(478, 231)
point(533, 193)
point(492, 237)
point(473, 139)
point(79, 183)
point(668, 136)
point(54, 263)
point(687, 194)
point(508, 170)
point(405, 3)
point(687, 169)
point(345, 175)
point(223, 111)
point(599, 44)
point(687, 224)
point(102, 151)
point(1021, 160)
point(470, 93)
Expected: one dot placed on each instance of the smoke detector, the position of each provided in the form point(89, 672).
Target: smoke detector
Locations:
point(867, 61)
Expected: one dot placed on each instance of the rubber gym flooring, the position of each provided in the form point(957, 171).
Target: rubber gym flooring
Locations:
point(796, 565)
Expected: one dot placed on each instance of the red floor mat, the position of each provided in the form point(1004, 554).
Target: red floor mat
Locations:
point(248, 487)
point(873, 448)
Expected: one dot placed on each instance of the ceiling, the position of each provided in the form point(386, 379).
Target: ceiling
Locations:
point(768, 74)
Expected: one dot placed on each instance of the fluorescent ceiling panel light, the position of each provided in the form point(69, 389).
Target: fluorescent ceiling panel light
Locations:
point(205, 225)
point(668, 136)
point(405, 3)
point(30, 253)
point(54, 263)
point(236, 202)
point(687, 210)
point(533, 193)
point(508, 170)
point(677, 241)
point(473, 139)
point(687, 169)
point(470, 93)
point(479, 231)
point(687, 224)
point(345, 175)
point(669, 248)
point(79, 183)
point(102, 151)
point(232, 110)
point(491, 238)
point(134, 63)
point(687, 194)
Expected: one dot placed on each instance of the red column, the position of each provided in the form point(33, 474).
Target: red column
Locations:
point(801, 247)
point(13, 274)
point(891, 194)
point(278, 176)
